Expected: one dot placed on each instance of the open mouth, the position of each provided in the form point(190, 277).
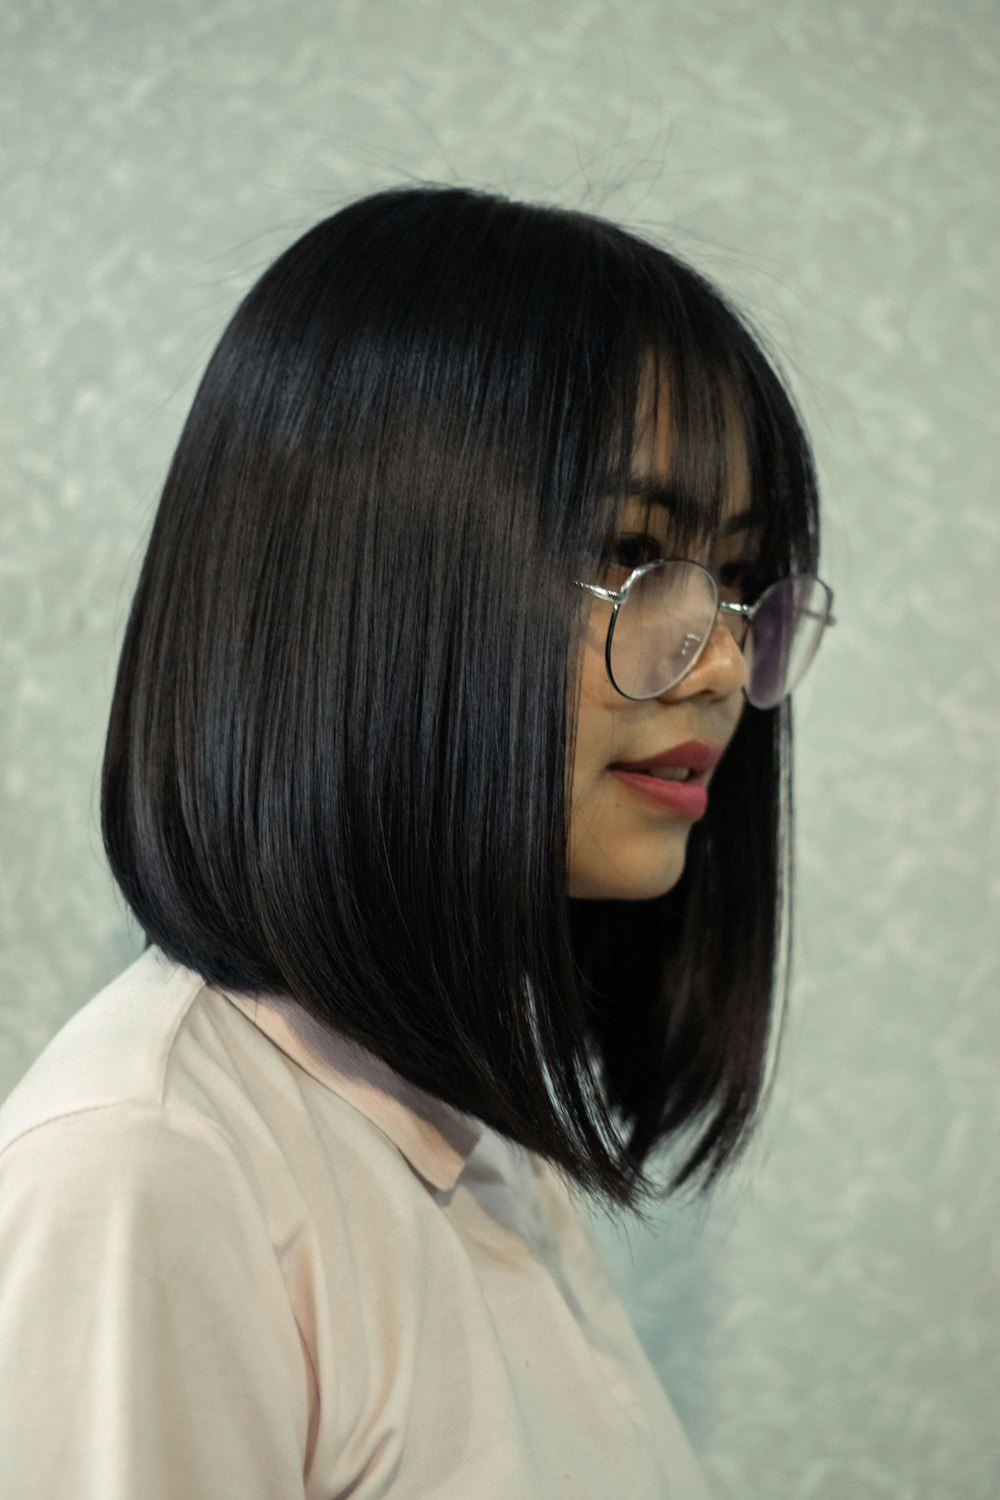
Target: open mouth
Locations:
point(679, 774)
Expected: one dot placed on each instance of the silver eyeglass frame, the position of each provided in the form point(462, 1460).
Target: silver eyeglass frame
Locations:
point(617, 597)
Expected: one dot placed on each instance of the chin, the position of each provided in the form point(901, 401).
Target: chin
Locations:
point(619, 884)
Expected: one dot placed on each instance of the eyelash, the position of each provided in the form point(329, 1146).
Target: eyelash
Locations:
point(618, 543)
point(732, 573)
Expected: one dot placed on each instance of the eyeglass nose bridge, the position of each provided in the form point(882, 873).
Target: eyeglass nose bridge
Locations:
point(737, 618)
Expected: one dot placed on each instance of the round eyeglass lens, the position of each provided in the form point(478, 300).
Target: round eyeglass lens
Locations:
point(660, 629)
point(786, 631)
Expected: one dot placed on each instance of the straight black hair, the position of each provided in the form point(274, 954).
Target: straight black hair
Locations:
point(336, 762)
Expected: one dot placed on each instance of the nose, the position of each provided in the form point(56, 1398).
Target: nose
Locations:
point(722, 669)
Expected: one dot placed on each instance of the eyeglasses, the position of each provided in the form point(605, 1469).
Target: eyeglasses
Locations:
point(664, 615)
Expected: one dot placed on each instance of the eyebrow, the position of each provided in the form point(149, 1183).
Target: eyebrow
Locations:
point(680, 502)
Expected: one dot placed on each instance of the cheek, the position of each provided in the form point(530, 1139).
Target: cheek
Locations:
point(596, 720)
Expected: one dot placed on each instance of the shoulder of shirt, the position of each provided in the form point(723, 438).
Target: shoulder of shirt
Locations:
point(140, 1039)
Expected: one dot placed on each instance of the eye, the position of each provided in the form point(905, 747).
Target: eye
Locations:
point(740, 578)
point(631, 549)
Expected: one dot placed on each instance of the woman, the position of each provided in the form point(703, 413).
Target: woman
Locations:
point(488, 524)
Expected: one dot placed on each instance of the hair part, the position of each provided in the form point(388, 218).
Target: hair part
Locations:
point(336, 753)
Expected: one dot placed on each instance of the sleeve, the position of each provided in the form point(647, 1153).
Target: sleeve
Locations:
point(147, 1345)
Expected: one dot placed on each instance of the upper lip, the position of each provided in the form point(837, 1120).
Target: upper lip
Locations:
point(695, 754)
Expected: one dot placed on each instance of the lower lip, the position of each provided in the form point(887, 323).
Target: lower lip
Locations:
point(685, 797)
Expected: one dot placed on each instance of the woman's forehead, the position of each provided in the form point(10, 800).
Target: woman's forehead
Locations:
point(735, 536)
point(671, 507)
point(666, 505)
point(652, 457)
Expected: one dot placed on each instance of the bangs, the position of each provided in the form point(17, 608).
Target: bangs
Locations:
point(732, 457)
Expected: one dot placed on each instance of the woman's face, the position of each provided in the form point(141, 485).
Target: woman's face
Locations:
point(624, 845)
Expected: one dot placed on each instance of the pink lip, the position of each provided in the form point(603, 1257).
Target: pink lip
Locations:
point(688, 798)
point(694, 754)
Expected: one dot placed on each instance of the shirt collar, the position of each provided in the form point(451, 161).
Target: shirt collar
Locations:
point(435, 1138)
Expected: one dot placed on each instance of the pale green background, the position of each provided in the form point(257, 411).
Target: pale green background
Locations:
point(828, 1326)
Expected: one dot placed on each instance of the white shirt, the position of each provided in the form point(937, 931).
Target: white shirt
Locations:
point(242, 1259)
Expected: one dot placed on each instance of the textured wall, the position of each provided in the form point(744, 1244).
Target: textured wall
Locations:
point(827, 1325)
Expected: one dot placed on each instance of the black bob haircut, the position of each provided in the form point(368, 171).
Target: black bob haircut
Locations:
point(336, 761)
